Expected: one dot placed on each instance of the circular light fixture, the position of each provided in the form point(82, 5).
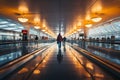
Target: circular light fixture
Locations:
point(88, 25)
point(46, 32)
point(79, 24)
point(96, 19)
point(37, 27)
point(43, 30)
point(23, 20)
point(79, 30)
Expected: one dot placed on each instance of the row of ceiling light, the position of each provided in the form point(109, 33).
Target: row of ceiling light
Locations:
point(44, 28)
point(88, 24)
point(37, 26)
point(93, 14)
point(23, 9)
point(93, 19)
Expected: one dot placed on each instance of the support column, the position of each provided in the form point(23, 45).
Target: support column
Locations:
point(85, 33)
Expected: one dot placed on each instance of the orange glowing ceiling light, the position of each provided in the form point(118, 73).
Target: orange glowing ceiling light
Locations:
point(96, 19)
point(97, 6)
point(37, 27)
point(79, 24)
point(87, 17)
point(46, 32)
point(43, 30)
point(44, 25)
point(37, 19)
point(96, 9)
point(22, 19)
point(88, 25)
point(79, 30)
point(23, 7)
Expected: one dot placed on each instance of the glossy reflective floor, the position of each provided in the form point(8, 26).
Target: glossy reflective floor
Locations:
point(112, 57)
point(10, 52)
point(60, 64)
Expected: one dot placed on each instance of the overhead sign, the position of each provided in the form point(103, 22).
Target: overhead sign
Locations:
point(24, 31)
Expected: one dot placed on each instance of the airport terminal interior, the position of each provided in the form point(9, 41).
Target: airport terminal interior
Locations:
point(59, 39)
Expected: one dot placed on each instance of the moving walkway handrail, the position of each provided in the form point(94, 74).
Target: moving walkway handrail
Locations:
point(7, 69)
point(78, 59)
point(39, 63)
point(19, 59)
point(112, 68)
point(20, 41)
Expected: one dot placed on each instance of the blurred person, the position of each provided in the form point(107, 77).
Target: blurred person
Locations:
point(59, 40)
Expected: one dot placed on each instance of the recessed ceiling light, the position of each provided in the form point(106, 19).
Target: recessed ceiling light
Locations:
point(23, 19)
point(96, 19)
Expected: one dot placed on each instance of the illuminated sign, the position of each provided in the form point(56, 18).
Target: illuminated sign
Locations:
point(24, 31)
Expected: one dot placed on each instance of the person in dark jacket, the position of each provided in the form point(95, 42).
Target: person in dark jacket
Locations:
point(36, 37)
point(59, 40)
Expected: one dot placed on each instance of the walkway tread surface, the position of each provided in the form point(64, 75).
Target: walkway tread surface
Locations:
point(59, 64)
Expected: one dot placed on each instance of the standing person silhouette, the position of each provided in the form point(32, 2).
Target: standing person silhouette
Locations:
point(59, 39)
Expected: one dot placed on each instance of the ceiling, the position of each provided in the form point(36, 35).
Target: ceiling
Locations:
point(61, 15)
point(8, 24)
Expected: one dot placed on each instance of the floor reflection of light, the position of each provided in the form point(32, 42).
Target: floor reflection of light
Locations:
point(43, 65)
point(90, 66)
point(76, 55)
point(81, 61)
point(47, 54)
point(36, 72)
point(36, 64)
point(23, 71)
point(88, 75)
point(44, 61)
point(73, 58)
point(38, 59)
point(99, 75)
point(76, 58)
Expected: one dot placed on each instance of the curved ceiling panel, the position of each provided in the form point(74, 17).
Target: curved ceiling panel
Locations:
point(61, 15)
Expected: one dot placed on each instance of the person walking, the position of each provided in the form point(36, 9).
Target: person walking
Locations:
point(59, 40)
